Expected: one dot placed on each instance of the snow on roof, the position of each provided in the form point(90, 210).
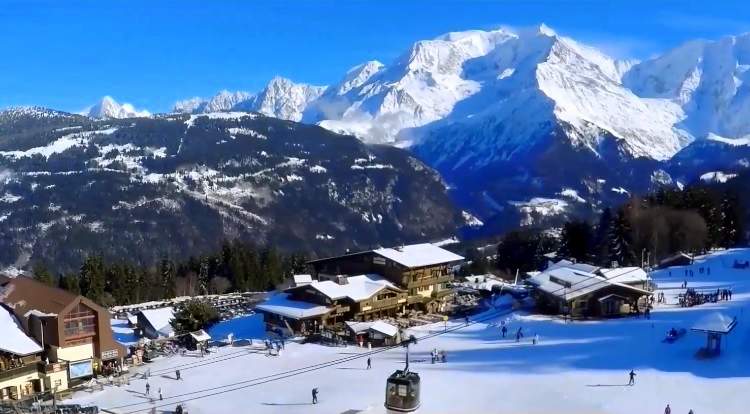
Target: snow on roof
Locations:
point(132, 319)
point(200, 335)
point(418, 255)
point(160, 319)
point(715, 322)
point(584, 267)
point(14, 340)
point(357, 288)
point(379, 326)
point(632, 274)
point(302, 279)
point(280, 304)
point(569, 283)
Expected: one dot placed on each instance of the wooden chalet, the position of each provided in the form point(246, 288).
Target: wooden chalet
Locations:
point(319, 304)
point(424, 271)
point(572, 291)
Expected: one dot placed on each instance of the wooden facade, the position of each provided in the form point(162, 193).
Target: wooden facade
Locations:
point(425, 286)
point(386, 302)
point(609, 301)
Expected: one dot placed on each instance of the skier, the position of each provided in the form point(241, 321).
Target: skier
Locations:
point(466, 319)
point(160, 397)
point(369, 363)
point(632, 378)
point(148, 389)
point(504, 330)
point(536, 339)
point(177, 374)
point(667, 410)
point(315, 395)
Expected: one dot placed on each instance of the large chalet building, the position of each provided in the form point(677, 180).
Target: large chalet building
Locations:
point(365, 286)
point(73, 333)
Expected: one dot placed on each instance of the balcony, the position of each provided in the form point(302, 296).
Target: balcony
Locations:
point(18, 371)
point(384, 304)
point(431, 281)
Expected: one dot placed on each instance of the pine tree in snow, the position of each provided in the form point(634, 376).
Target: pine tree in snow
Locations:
point(620, 244)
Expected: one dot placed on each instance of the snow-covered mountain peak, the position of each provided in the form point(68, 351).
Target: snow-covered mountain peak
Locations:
point(109, 108)
point(358, 75)
point(710, 80)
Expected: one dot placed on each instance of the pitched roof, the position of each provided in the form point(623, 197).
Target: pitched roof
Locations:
point(25, 294)
point(379, 326)
point(280, 304)
point(715, 322)
point(583, 267)
point(200, 335)
point(414, 255)
point(569, 283)
point(14, 339)
point(160, 319)
point(632, 274)
point(418, 255)
point(357, 288)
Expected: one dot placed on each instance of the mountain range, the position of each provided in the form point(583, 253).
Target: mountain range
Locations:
point(524, 126)
point(529, 121)
point(177, 185)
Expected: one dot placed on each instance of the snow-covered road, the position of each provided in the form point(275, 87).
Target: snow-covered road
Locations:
point(578, 367)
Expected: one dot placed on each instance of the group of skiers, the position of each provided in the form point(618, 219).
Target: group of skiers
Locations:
point(692, 298)
point(438, 356)
point(519, 333)
point(148, 391)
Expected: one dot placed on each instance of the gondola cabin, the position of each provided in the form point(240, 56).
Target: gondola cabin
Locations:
point(402, 392)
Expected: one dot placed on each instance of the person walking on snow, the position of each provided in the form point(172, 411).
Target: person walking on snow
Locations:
point(667, 410)
point(536, 339)
point(504, 330)
point(148, 389)
point(369, 363)
point(315, 395)
point(632, 378)
point(160, 397)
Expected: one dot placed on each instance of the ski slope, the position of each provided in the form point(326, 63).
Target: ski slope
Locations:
point(578, 367)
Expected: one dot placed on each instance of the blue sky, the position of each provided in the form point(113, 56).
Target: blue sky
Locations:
point(67, 54)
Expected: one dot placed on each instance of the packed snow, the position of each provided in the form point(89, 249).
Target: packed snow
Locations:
point(577, 366)
point(14, 340)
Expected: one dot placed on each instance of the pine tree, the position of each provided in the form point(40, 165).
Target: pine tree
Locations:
point(732, 230)
point(620, 237)
point(575, 240)
point(204, 275)
point(92, 279)
point(168, 283)
point(70, 283)
point(601, 238)
point(43, 275)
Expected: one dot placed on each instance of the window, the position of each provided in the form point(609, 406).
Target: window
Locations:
point(80, 321)
point(58, 383)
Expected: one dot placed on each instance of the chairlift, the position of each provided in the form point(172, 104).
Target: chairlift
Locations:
point(402, 387)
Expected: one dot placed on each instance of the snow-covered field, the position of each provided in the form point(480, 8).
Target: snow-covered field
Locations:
point(578, 367)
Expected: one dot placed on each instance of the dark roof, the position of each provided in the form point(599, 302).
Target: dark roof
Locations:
point(29, 294)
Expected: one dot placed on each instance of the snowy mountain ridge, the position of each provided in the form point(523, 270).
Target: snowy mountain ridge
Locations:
point(108, 108)
point(281, 98)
